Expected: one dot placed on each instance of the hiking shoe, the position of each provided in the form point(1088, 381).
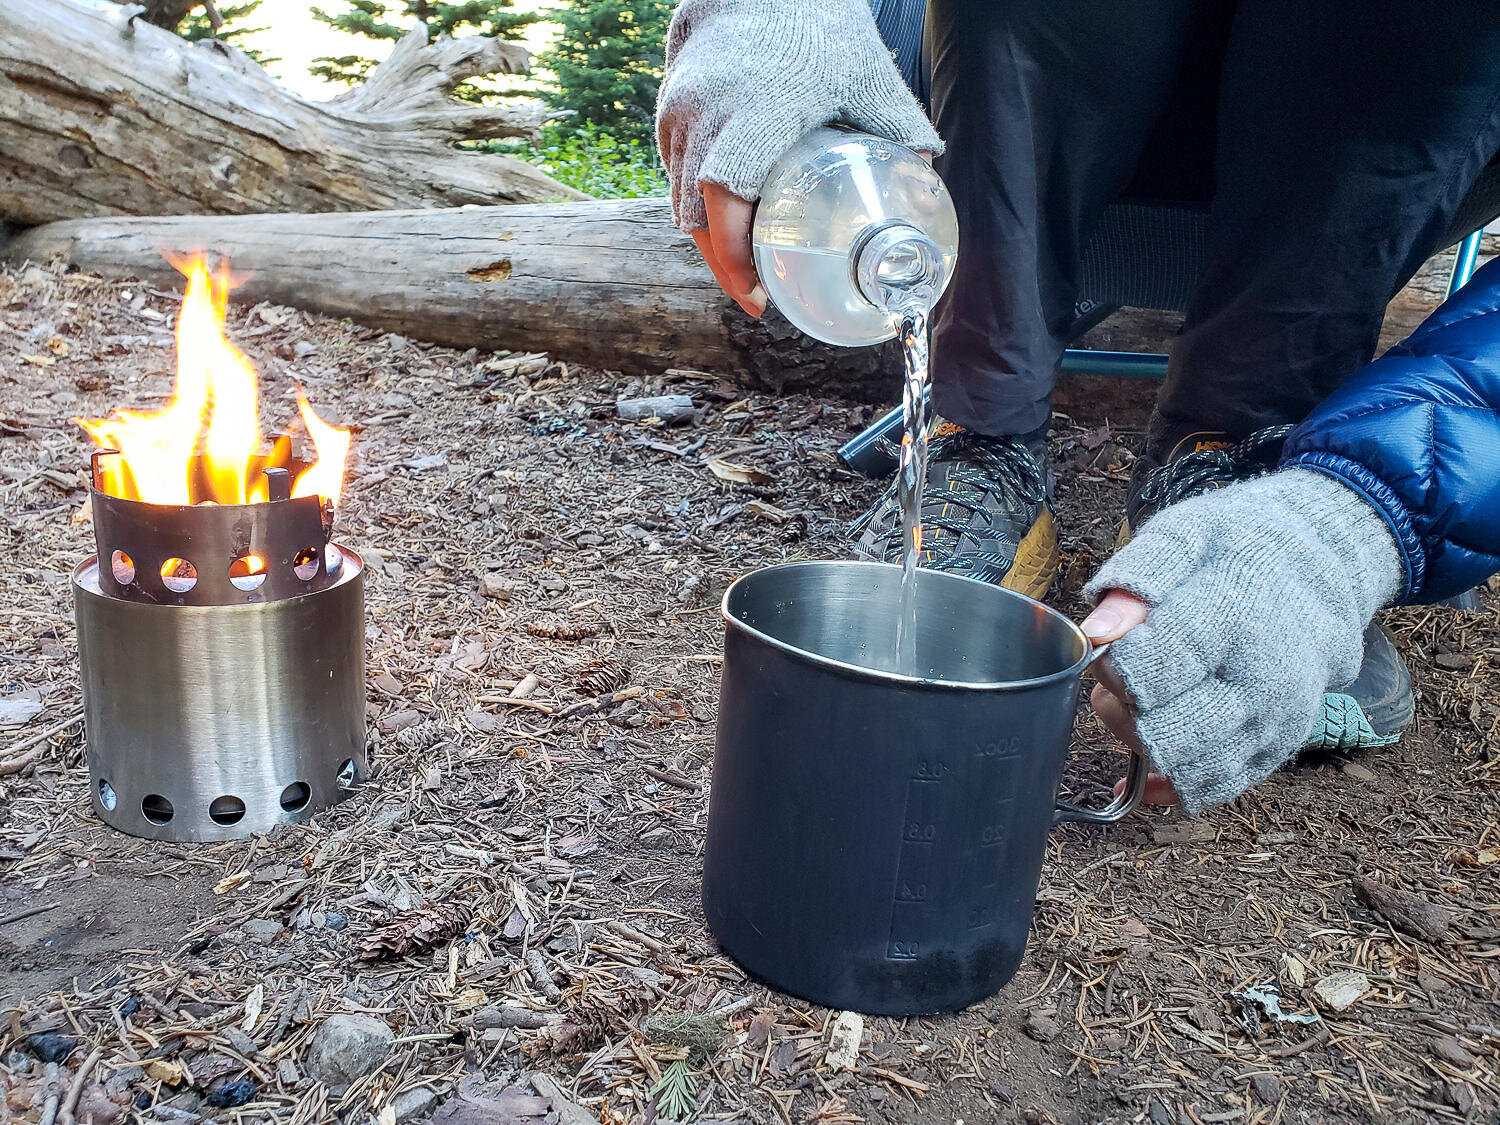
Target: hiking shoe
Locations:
point(1375, 708)
point(1200, 462)
point(984, 513)
point(1378, 705)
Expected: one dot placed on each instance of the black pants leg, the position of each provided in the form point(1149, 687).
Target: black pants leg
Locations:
point(1045, 106)
point(1348, 133)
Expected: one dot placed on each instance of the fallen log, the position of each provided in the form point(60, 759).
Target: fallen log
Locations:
point(609, 284)
point(103, 113)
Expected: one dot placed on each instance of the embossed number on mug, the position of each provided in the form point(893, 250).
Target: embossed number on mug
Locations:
point(1000, 748)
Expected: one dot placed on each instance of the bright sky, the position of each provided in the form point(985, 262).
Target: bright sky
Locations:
point(292, 35)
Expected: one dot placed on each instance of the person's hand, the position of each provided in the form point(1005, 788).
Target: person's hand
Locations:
point(1117, 613)
point(725, 246)
point(1230, 615)
point(745, 79)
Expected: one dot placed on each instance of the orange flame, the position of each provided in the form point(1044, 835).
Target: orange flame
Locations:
point(213, 414)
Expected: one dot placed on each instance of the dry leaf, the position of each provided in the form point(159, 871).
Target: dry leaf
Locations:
point(1342, 990)
point(469, 999)
point(168, 1072)
point(768, 511)
point(843, 1041)
point(739, 474)
point(229, 882)
point(254, 1003)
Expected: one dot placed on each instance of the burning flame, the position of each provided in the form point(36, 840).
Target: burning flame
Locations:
point(213, 412)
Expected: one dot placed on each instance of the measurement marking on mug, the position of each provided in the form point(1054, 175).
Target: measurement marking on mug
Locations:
point(914, 867)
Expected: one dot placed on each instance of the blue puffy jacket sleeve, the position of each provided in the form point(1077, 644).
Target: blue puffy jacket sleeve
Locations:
point(1418, 433)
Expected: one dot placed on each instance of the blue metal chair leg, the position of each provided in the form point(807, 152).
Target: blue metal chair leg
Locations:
point(1465, 261)
point(865, 452)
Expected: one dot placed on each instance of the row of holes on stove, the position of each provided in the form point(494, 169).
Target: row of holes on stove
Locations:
point(247, 572)
point(225, 810)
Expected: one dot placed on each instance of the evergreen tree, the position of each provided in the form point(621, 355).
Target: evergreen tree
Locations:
point(607, 63)
point(372, 19)
point(197, 25)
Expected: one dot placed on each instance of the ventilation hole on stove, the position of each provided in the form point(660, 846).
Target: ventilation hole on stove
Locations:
point(107, 796)
point(156, 808)
point(226, 810)
point(179, 575)
point(295, 796)
point(122, 566)
point(247, 572)
point(305, 564)
point(346, 773)
point(333, 559)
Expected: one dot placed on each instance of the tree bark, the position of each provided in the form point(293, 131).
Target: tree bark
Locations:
point(102, 113)
point(609, 284)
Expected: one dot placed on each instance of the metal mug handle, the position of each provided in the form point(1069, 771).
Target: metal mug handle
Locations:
point(1129, 798)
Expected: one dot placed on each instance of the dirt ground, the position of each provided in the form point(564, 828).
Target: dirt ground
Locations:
point(554, 852)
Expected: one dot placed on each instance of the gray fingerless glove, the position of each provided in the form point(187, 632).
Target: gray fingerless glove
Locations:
point(1260, 594)
point(745, 79)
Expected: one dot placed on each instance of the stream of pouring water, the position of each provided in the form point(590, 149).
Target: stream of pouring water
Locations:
point(912, 476)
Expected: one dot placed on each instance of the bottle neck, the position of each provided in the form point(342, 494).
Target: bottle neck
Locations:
point(897, 267)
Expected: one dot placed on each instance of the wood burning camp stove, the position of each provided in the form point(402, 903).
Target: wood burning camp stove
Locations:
point(222, 650)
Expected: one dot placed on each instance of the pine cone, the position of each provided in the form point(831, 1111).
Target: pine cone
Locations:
point(602, 676)
point(415, 931)
point(554, 629)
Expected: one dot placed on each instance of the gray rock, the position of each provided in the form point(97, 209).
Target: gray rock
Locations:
point(1041, 1027)
point(334, 920)
point(1267, 1088)
point(1460, 1097)
point(240, 1041)
point(1447, 1047)
point(347, 1047)
point(261, 929)
point(415, 1103)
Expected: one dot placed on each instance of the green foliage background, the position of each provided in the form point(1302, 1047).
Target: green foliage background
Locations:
point(607, 63)
point(234, 29)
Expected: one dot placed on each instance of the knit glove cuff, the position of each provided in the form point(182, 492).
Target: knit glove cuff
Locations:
point(745, 79)
point(1260, 593)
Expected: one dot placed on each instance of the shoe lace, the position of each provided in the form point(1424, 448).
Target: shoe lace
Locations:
point(1205, 469)
point(993, 468)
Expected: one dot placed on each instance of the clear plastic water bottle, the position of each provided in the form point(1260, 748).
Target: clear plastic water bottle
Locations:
point(850, 231)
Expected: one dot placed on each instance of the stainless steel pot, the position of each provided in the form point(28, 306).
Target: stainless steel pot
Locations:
point(875, 838)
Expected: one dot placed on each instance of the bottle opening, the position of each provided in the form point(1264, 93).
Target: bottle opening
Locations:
point(897, 267)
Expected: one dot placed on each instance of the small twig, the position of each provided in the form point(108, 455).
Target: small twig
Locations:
point(1319, 1036)
point(29, 912)
point(542, 976)
point(599, 702)
point(672, 778)
point(65, 1115)
point(733, 1008)
point(12, 764)
point(49, 1105)
point(629, 933)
